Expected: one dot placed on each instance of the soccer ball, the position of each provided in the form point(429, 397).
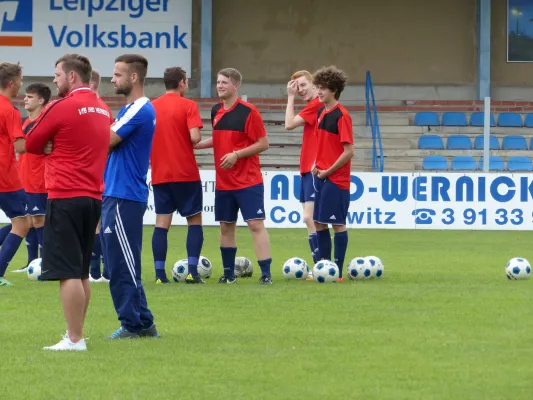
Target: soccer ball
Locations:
point(34, 270)
point(295, 268)
point(518, 269)
point(180, 270)
point(325, 271)
point(243, 267)
point(375, 265)
point(205, 268)
point(358, 269)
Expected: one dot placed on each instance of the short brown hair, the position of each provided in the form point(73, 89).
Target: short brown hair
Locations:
point(304, 73)
point(77, 63)
point(95, 77)
point(173, 76)
point(332, 78)
point(9, 73)
point(137, 63)
point(41, 90)
point(232, 74)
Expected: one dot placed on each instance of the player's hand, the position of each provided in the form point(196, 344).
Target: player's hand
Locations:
point(292, 88)
point(48, 147)
point(321, 174)
point(228, 161)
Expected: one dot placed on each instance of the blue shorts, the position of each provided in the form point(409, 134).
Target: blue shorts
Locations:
point(250, 200)
point(331, 203)
point(14, 204)
point(184, 197)
point(37, 203)
point(307, 187)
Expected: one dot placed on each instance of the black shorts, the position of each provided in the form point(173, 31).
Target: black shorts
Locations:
point(68, 237)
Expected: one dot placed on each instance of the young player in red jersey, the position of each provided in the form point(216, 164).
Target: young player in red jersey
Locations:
point(302, 84)
point(175, 174)
point(12, 196)
point(238, 137)
point(335, 151)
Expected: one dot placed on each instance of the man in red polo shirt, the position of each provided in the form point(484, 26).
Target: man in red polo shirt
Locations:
point(78, 128)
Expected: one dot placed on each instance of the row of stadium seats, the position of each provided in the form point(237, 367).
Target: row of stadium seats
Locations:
point(509, 120)
point(469, 163)
point(463, 142)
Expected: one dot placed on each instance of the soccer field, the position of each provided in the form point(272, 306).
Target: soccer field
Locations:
point(443, 323)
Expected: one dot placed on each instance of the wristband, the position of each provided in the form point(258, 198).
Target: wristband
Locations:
point(234, 152)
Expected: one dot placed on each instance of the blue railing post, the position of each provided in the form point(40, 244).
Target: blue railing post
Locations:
point(372, 121)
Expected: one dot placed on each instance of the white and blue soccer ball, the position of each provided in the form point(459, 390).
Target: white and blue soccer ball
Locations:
point(518, 269)
point(359, 269)
point(34, 270)
point(325, 271)
point(243, 267)
point(180, 270)
point(295, 268)
point(205, 268)
point(375, 265)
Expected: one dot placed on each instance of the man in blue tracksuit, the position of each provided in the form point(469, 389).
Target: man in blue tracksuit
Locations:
point(125, 199)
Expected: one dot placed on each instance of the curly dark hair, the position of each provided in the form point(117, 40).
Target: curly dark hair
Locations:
point(332, 78)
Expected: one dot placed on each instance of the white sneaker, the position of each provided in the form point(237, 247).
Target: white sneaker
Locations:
point(102, 280)
point(92, 280)
point(66, 345)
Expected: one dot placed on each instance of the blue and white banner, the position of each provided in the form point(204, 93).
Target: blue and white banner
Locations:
point(474, 201)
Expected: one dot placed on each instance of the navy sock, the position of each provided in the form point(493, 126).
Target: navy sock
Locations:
point(4, 231)
point(341, 244)
point(95, 258)
point(313, 244)
point(8, 251)
point(195, 240)
point(32, 245)
point(265, 267)
point(40, 239)
point(159, 249)
point(228, 261)
point(324, 244)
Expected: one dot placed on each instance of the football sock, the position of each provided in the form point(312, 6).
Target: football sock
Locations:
point(159, 249)
point(195, 240)
point(265, 267)
point(4, 231)
point(313, 244)
point(32, 245)
point(40, 232)
point(95, 258)
point(341, 244)
point(228, 261)
point(324, 244)
point(8, 251)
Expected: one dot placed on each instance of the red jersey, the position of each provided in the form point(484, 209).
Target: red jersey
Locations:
point(31, 166)
point(309, 140)
point(172, 156)
point(10, 130)
point(233, 129)
point(334, 129)
point(79, 129)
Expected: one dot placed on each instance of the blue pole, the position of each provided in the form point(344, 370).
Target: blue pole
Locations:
point(484, 7)
point(206, 48)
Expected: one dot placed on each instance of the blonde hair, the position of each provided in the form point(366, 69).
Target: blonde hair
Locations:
point(232, 74)
point(304, 73)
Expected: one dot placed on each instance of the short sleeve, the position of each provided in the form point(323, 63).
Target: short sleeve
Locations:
point(255, 128)
point(126, 124)
point(345, 129)
point(14, 126)
point(309, 114)
point(194, 119)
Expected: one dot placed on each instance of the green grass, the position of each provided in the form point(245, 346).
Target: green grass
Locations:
point(443, 323)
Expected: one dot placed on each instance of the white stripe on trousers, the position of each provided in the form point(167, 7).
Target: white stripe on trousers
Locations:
point(125, 246)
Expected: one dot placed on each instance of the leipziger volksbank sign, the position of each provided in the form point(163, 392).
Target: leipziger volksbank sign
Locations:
point(37, 32)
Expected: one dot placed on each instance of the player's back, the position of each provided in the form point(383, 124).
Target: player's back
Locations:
point(10, 121)
point(172, 156)
point(127, 166)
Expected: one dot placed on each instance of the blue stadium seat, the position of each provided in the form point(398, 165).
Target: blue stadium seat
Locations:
point(463, 163)
point(514, 143)
point(528, 123)
point(453, 119)
point(435, 163)
point(510, 120)
point(430, 142)
point(458, 142)
point(496, 163)
point(519, 163)
point(531, 144)
point(494, 144)
point(478, 119)
point(427, 119)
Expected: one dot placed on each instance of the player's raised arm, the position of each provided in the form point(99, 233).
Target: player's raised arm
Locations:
point(292, 121)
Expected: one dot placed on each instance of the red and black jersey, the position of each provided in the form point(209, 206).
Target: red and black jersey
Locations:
point(334, 128)
point(233, 129)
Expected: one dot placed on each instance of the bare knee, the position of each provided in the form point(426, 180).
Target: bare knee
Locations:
point(20, 226)
point(256, 226)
